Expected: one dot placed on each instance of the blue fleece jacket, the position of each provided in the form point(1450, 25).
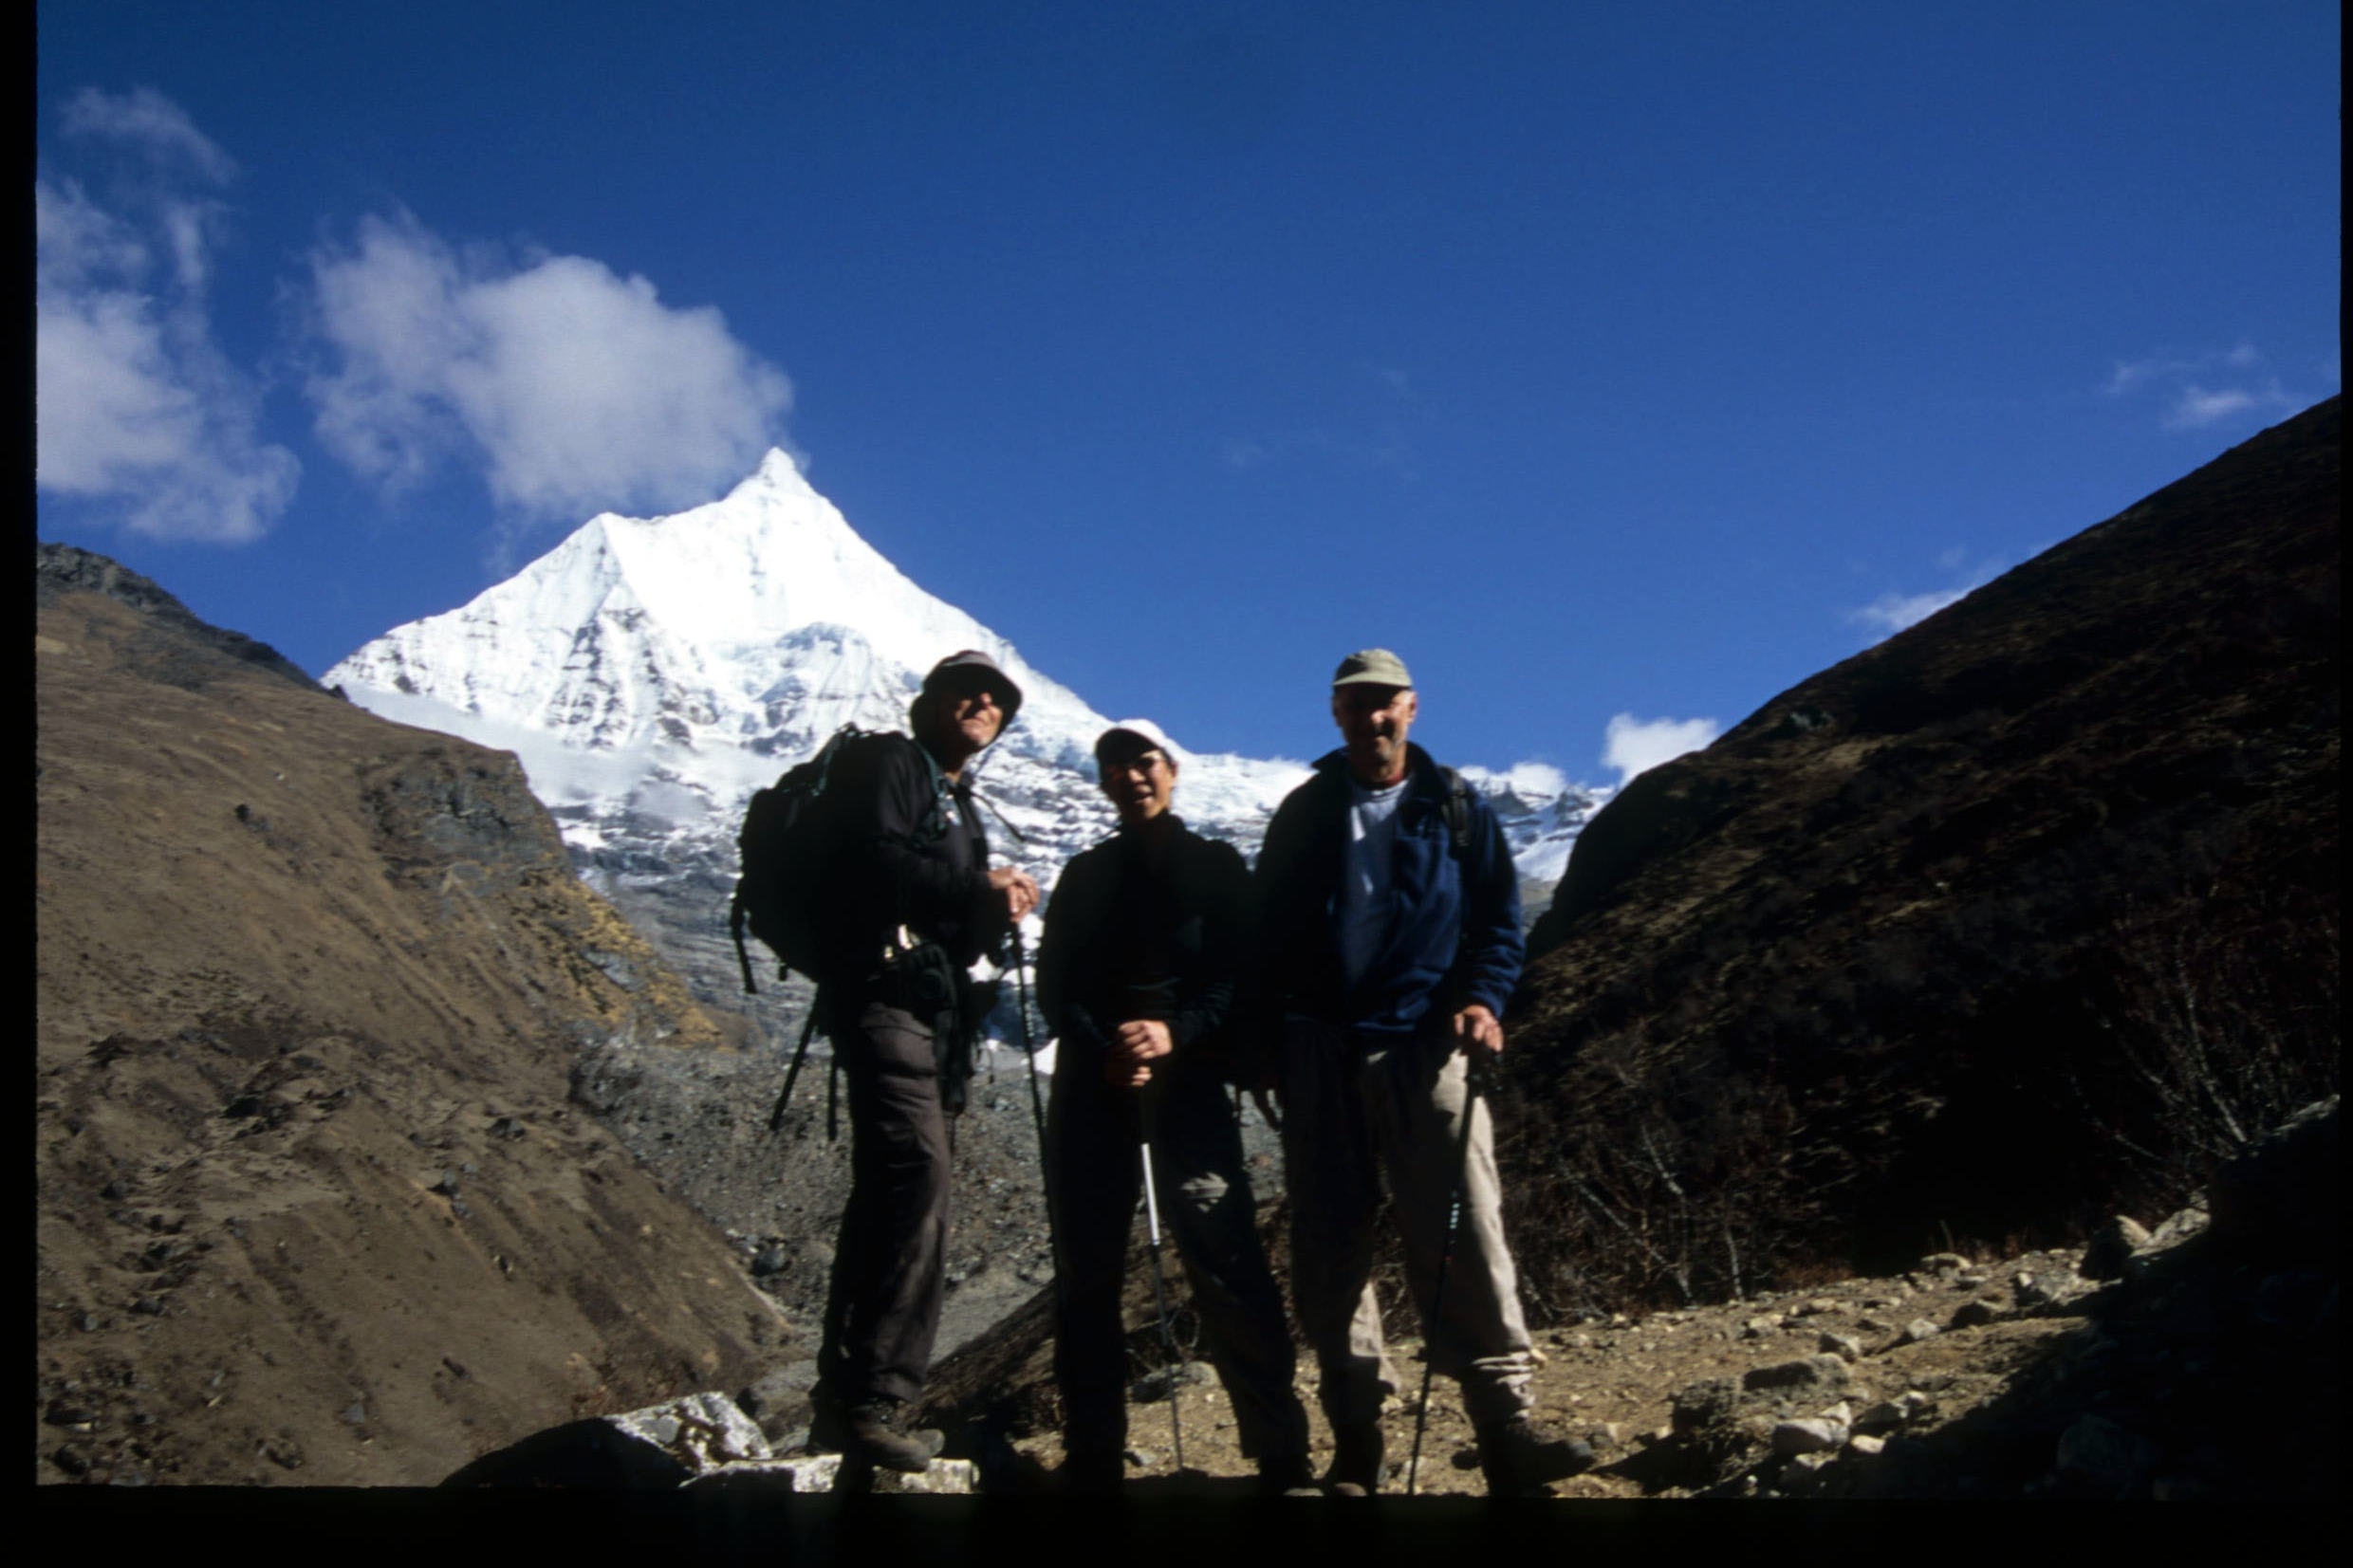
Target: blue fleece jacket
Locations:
point(1454, 929)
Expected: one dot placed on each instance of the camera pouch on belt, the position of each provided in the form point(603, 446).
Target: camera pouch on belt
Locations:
point(926, 981)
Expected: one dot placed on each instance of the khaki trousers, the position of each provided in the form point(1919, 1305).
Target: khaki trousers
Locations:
point(1354, 1106)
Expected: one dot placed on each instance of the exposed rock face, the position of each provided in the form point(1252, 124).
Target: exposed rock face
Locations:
point(2026, 914)
point(313, 1206)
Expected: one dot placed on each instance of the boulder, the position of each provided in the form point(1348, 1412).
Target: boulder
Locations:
point(2279, 1201)
point(1809, 1434)
point(2116, 1240)
point(661, 1445)
point(2104, 1457)
point(1811, 1372)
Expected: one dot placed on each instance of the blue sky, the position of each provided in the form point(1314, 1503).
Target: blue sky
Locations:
point(1619, 365)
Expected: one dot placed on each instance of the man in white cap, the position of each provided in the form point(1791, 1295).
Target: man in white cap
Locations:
point(1144, 942)
point(1388, 942)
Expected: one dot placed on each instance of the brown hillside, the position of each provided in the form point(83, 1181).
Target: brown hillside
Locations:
point(2025, 913)
point(312, 1207)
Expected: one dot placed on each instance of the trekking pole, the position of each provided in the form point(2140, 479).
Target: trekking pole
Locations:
point(1159, 1284)
point(800, 1054)
point(1029, 1044)
point(1472, 1068)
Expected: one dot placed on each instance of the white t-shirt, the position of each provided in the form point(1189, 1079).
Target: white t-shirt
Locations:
point(1365, 899)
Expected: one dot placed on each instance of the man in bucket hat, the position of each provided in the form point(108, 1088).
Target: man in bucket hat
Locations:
point(1389, 943)
point(917, 904)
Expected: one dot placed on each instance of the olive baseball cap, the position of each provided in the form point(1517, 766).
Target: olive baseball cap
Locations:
point(1371, 667)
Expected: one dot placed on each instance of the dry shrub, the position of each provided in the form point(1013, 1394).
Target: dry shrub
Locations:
point(1674, 1181)
point(2213, 1019)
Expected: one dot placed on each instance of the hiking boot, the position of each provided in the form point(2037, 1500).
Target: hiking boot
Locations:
point(1092, 1473)
point(879, 1435)
point(1357, 1451)
point(1519, 1458)
point(1286, 1475)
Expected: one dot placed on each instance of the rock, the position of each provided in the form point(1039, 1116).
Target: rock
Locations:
point(2043, 1292)
point(1863, 1443)
point(945, 1478)
point(663, 1445)
point(2098, 1453)
point(1845, 1346)
point(1915, 1331)
point(1827, 1372)
point(1158, 1383)
point(1815, 1306)
point(2279, 1202)
point(1809, 1434)
point(1140, 1459)
point(765, 1477)
point(778, 1401)
point(1700, 1405)
point(1756, 1328)
point(1937, 1262)
point(1975, 1315)
point(2113, 1241)
point(823, 1473)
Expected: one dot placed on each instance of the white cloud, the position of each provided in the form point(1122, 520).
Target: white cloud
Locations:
point(153, 126)
point(577, 389)
point(1892, 613)
point(1528, 779)
point(2195, 406)
point(136, 409)
point(2190, 405)
point(1635, 746)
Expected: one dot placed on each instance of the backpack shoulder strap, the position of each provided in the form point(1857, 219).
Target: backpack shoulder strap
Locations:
point(1457, 812)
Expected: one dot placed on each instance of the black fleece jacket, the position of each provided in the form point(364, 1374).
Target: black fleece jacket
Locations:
point(895, 867)
point(1127, 939)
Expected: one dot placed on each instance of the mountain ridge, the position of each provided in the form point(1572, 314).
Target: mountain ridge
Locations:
point(651, 673)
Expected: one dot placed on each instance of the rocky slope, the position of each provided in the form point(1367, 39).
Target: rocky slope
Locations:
point(2177, 1362)
point(313, 1205)
point(2026, 913)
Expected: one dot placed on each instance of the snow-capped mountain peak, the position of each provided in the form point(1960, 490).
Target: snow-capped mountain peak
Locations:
point(651, 672)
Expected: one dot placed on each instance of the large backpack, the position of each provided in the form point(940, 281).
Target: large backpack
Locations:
point(786, 844)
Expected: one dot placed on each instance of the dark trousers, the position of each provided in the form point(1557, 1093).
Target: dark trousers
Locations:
point(1093, 1181)
point(889, 1262)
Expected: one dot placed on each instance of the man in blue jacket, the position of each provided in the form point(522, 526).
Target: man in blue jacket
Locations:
point(1390, 942)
